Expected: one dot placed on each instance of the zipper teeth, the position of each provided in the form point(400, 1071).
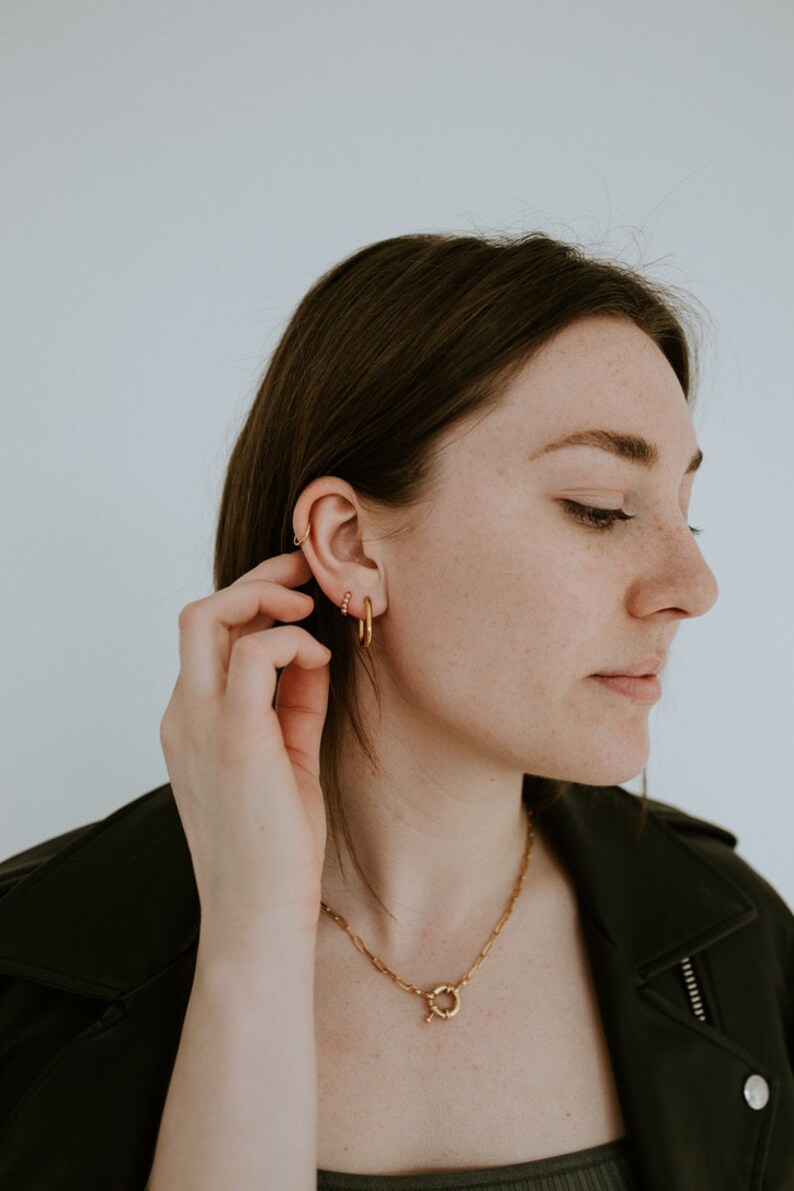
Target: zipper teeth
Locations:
point(692, 988)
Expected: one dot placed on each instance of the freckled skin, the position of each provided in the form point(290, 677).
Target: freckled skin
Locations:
point(491, 608)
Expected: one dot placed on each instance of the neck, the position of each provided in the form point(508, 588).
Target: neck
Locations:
point(443, 851)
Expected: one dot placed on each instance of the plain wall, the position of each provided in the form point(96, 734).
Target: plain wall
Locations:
point(176, 175)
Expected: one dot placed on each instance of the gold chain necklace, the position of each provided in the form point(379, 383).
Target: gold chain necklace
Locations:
point(452, 990)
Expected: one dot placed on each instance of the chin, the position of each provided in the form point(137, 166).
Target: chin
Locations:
point(613, 772)
point(610, 768)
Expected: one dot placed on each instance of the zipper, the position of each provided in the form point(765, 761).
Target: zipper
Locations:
point(695, 997)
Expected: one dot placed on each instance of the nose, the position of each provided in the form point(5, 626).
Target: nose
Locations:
point(676, 576)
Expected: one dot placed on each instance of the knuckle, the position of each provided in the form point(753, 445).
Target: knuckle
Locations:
point(171, 719)
point(188, 613)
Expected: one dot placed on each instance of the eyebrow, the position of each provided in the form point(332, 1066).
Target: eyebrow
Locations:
point(632, 447)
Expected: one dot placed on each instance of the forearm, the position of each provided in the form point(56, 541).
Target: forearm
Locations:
point(241, 1108)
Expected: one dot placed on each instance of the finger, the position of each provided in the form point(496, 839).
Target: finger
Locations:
point(205, 628)
point(291, 569)
point(301, 707)
point(290, 573)
point(251, 683)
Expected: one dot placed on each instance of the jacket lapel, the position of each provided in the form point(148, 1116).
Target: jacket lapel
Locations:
point(648, 900)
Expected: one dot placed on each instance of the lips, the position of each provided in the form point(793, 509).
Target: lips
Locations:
point(640, 689)
point(641, 669)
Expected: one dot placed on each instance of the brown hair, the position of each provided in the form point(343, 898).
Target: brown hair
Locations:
point(383, 355)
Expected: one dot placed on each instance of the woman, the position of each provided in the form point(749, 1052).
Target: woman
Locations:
point(483, 449)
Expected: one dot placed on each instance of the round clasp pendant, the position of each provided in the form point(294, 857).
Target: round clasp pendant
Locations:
point(436, 1010)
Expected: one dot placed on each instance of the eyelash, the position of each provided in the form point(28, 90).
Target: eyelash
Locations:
point(601, 518)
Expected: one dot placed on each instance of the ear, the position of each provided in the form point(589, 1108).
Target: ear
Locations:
point(342, 544)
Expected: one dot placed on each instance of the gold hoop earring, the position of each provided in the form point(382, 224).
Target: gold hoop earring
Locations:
point(365, 633)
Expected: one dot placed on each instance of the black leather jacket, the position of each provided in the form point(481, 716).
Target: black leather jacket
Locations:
point(692, 954)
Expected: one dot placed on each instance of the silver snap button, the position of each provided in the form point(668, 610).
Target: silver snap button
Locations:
point(756, 1091)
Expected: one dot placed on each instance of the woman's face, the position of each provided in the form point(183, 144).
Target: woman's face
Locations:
point(502, 601)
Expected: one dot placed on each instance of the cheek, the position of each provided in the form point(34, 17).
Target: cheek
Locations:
point(554, 594)
point(504, 624)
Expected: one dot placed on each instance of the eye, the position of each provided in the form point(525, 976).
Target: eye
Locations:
point(601, 518)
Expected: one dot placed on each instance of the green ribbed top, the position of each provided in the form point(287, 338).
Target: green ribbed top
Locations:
point(599, 1168)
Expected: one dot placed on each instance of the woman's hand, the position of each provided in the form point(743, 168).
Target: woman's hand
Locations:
point(246, 776)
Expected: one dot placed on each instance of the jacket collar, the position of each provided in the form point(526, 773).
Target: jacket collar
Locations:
point(656, 897)
point(118, 902)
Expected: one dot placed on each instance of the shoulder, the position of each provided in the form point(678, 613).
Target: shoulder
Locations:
point(15, 868)
point(147, 807)
point(152, 815)
point(719, 847)
point(104, 906)
point(686, 823)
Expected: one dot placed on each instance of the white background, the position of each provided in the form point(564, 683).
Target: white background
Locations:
point(175, 176)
